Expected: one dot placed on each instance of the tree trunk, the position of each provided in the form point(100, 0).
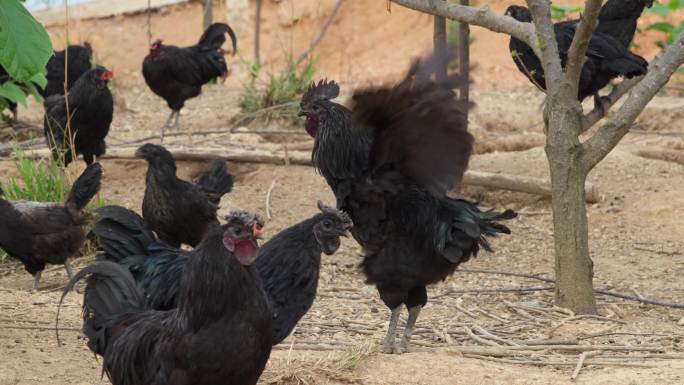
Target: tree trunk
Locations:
point(464, 57)
point(439, 39)
point(573, 267)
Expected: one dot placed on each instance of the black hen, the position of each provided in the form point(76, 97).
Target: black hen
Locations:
point(178, 74)
point(220, 333)
point(91, 108)
point(79, 57)
point(390, 161)
point(606, 57)
point(618, 18)
point(288, 264)
point(38, 233)
point(179, 211)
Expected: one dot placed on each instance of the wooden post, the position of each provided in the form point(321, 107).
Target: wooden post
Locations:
point(257, 31)
point(440, 44)
point(208, 13)
point(464, 56)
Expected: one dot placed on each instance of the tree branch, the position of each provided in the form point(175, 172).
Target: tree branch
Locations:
point(616, 93)
point(317, 39)
point(661, 68)
point(580, 42)
point(545, 41)
point(482, 17)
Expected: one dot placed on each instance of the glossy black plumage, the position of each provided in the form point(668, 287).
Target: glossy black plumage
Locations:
point(39, 233)
point(390, 161)
point(288, 264)
point(219, 334)
point(178, 74)
point(179, 211)
point(618, 18)
point(91, 107)
point(79, 57)
point(606, 57)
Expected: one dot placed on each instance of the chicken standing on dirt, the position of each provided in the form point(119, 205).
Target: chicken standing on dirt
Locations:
point(79, 57)
point(91, 108)
point(178, 74)
point(179, 211)
point(390, 161)
point(219, 334)
point(288, 264)
point(606, 58)
point(38, 233)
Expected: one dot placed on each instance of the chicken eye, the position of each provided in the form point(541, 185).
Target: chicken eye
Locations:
point(327, 224)
point(237, 230)
point(316, 108)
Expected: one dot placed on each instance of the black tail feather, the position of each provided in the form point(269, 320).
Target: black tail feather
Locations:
point(217, 179)
point(110, 292)
point(121, 233)
point(214, 36)
point(629, 66)
point(85, 187)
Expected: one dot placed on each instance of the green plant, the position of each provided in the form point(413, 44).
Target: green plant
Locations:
point(670, 30)
point(278, 96)
point(26, 49)
point(562, 12)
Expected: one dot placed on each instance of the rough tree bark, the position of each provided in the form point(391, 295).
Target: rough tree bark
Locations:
point(570, 160)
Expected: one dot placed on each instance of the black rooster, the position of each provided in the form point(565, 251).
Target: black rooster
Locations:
point(390, 161)
point(39, 233)
point(91, 108)
point(606, 58)
point(179, 211)
point(79, 57)
point(618, 18)
point(288, 264)
point(178, 74)
point(220, 333)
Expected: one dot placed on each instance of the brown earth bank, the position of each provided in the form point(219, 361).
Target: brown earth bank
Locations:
point(636, 231)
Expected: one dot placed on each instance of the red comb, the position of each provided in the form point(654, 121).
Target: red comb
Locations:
point(111, 75)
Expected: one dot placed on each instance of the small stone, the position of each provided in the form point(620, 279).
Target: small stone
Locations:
point(681, 322)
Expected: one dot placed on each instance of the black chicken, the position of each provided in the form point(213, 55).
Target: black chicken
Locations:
point(618, 18)
point(390, 161)
point(91, 108)
point(178, 74)
point(38, 233)
point(219, 334)
point(288, 264)
point(179, 211)
point(606, 58)
point(12, 106)
point(79, 57)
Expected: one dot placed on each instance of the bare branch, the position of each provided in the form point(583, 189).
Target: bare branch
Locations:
point(580, 42)
point(482, 17)
point(545, 42)
point(616, 93)
point(317, 39)
point(661, 68)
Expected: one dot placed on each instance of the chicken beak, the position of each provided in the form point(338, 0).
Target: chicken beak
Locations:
point(256, 231)
point(301, 113)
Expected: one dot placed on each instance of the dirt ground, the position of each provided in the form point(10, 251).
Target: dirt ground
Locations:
point(636, 235)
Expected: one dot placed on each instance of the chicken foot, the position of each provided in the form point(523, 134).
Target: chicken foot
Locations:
point(408, 331)
point(388, 345)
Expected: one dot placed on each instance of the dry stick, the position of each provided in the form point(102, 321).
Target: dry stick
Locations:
point(610, 333)
point(582, 357)
point(149, 22)
point(598, 291)
point(491, 336)
point(6, 149)
point(496, 290)
point(41, 328)
point(318, 37)
point(479, 339)
point(556, 363)
point(268, 199)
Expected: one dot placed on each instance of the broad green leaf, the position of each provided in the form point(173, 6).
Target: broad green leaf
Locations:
point(12, 92)
point(661, 26)
point(39, 79)
point(25, 46)
point(34, 91)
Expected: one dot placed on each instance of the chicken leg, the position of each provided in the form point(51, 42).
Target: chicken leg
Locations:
point(69, 270)
point(388, 345)
point(408, 331)
point(168, 123)
point(36, 280)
